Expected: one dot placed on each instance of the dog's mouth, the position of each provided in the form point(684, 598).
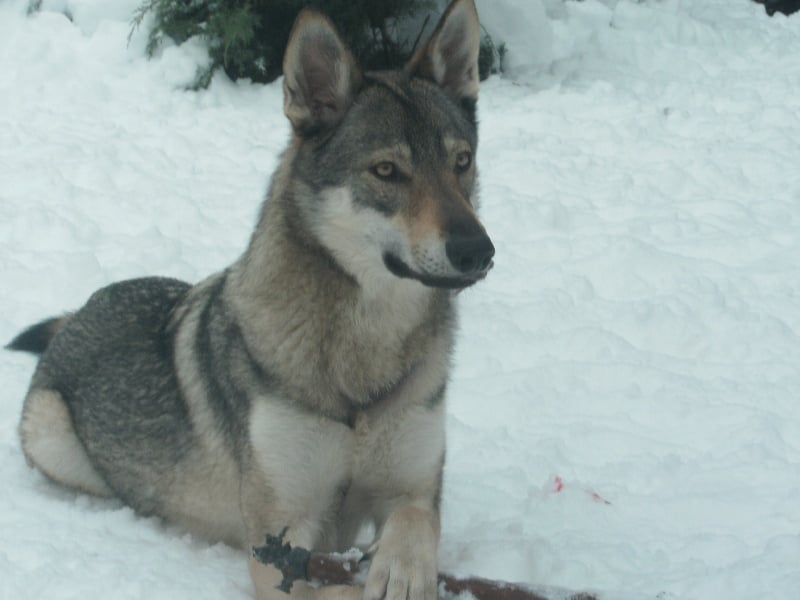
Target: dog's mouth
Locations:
point(400, 269)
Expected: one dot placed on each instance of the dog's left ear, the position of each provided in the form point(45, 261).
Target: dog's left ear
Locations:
point(320, 75)
point(450, 58)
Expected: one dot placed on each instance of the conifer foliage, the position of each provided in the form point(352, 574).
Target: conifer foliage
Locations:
point(247, 38)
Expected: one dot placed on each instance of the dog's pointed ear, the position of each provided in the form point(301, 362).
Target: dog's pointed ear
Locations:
point(450, 58)
point(320, 75)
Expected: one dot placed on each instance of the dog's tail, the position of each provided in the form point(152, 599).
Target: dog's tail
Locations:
point(36, 338)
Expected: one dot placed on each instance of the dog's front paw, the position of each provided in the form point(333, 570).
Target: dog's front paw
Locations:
point(405, 564)
point(406, 577)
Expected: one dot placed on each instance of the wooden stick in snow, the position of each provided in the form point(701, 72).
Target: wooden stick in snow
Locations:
point(299, 564)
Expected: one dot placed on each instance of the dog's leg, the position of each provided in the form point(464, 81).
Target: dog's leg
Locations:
point(405, 565)
point(50, 444)
point(294, 479)
point(265, 513)
point(266, 579)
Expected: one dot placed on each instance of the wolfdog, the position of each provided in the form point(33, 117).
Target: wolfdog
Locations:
point(302, 388)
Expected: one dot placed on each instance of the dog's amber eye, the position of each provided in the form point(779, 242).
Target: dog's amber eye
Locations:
point(463, 161)
point(384, 170)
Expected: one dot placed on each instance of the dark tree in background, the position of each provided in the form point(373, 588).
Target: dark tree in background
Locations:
point(786, 7)
point(247, 38)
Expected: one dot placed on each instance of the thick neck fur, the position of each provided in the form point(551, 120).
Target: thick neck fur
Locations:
point(332, 343)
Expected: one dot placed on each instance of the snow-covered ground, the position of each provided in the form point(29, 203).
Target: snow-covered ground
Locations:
point(624, 414)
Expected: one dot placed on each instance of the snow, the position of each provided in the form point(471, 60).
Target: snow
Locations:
point(623, 412)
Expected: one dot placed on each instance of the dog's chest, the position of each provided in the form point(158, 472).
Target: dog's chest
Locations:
point(309, 461)
point(397, 451)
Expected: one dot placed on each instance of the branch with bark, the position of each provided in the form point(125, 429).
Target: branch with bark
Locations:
point(299, 564)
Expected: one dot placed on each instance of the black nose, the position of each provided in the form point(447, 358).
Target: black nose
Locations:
point(470, 253)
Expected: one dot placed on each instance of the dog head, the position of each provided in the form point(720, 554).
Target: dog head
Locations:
point(384, 171)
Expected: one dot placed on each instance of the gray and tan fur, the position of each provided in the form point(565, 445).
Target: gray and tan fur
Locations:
point(303, 386)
